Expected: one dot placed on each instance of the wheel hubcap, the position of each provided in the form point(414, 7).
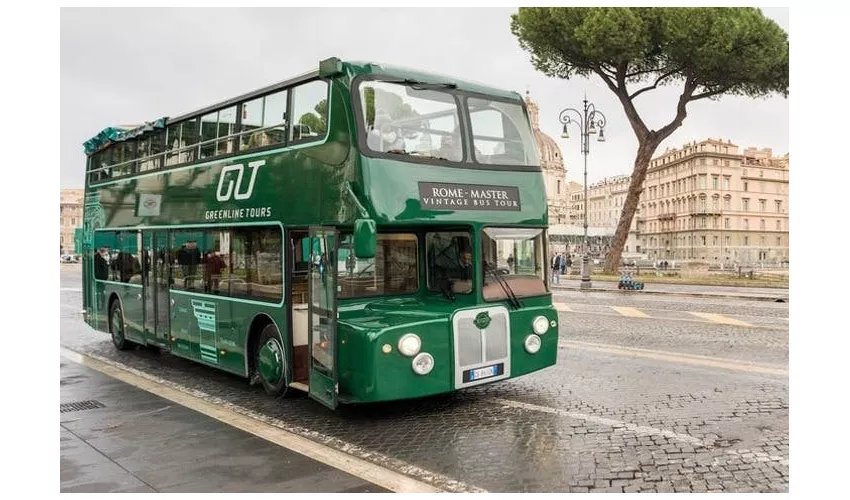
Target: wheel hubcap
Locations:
point(271, 361)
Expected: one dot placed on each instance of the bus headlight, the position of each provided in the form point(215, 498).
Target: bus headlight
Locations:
point(409, 344)
point(540, 325)
point(423, 363)
point(532, 344)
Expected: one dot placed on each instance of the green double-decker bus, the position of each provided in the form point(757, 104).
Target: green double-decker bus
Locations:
point(360, 232)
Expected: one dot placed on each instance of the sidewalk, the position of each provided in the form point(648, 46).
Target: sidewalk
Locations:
point(771, 294)
point(115, 437)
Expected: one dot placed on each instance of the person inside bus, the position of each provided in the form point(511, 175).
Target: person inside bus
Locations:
point(463, 284)
point(188, 258)
point(213, 265)
point(383, 137)
point(101, 263)
point(450, 146)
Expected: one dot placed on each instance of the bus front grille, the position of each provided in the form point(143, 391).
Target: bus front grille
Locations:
point(481, 345)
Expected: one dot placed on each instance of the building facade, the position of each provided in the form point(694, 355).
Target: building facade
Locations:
point(70, 217)
point(709, 202)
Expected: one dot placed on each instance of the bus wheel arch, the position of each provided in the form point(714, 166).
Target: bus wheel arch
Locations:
point(268, 360)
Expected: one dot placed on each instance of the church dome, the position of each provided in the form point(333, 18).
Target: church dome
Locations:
point(550, 153)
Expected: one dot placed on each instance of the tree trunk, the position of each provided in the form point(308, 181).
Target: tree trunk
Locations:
point(646, 149)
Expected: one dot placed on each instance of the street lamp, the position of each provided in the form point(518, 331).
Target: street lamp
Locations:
point(587, 121)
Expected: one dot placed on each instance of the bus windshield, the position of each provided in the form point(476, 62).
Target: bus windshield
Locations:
point(515, 255)
point(406, 118)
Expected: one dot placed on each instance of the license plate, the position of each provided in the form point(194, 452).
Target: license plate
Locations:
point(479, 373)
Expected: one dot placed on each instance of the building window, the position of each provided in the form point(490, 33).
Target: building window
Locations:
point(762, 225)
point(761, 173)
point(762, 205)
point(728, 242)
point(746, 224)
point(746, 241)
point(726, 179)
point(779, 225)
point(762, 241)
point(559, 186)
point(726, 223)
point(745, 204)
point(779, 241)
point(714, 241)
point(779, 206)
point(746, 186)
point(715, 182)
point(727, 202)
point(702, 222)
point(743, 172)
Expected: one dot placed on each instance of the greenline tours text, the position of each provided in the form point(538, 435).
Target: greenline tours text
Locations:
point(238, 213)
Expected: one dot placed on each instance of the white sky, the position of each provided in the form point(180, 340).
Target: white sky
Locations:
point(126, 66)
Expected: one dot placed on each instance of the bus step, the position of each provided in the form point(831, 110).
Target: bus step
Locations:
point(300, 386)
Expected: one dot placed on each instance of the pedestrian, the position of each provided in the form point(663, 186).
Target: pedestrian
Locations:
point(556, 268)
point(569, 264)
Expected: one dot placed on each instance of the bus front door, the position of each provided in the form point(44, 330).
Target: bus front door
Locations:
point(157, 270)
point(322, 316)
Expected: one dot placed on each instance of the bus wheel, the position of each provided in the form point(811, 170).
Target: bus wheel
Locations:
point(116, 327)
point(270, 362)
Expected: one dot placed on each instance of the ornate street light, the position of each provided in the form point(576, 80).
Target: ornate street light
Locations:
point(587, 120)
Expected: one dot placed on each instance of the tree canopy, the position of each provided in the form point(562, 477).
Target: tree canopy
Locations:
point(710, 52)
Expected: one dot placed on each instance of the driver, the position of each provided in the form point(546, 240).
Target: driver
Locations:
point(463, 284)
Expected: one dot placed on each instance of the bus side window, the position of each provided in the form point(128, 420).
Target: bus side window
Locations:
point(310, 111)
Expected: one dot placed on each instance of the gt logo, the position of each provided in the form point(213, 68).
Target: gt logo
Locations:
point(234, 188)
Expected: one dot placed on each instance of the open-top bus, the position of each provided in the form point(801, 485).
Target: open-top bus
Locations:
point(361, 232)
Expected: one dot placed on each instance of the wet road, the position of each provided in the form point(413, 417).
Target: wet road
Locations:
point(651, 393)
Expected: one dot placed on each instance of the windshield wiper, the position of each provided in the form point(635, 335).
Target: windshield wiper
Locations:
point(422, 154)
point(506, 287)
point(415, 84)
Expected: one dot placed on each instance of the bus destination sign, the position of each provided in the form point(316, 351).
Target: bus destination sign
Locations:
point(445, 196)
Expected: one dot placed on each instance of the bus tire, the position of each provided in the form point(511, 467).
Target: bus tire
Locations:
point(116, 327)
point(270, 362)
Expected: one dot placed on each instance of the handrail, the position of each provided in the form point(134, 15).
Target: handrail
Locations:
point(182, 149)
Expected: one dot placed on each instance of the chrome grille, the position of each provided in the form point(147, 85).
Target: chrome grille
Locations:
point(496, 338)
point(469, 343)
point(481, 348)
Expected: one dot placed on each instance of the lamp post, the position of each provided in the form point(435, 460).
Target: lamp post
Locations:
point(587, 120)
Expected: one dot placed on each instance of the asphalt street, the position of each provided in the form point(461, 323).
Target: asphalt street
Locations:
point(660, 392)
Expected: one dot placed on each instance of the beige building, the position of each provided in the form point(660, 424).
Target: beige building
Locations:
point(554, 173)
point(710, 202)
point(70, 217)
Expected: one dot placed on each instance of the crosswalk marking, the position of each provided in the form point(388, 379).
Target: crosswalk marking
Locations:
point(719, 318)
point(630, 311)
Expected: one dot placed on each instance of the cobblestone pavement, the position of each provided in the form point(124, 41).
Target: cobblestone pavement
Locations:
point(627, 418)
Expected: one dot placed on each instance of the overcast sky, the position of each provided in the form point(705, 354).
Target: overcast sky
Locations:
point(129, 65)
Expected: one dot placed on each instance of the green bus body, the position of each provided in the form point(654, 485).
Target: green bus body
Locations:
point(302, 187)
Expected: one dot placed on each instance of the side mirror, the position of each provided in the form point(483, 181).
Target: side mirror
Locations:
point(365, 238)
